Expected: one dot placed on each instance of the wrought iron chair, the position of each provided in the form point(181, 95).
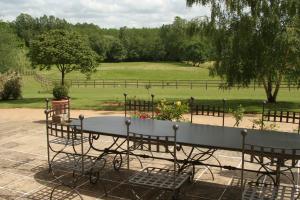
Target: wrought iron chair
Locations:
point(207, 110)
point(274, 115)
point(67, 153)
point(273, 163)
point(163, 179)
point(60, 134)
point(138, 106)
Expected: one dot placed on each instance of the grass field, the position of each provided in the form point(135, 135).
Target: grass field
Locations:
point(101, 98)
point(140, 70)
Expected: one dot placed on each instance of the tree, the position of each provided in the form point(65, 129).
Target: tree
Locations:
point(195, 52)
point(256, 40)
point(26, 27)
point(10, 48)
point(174, 38)
point(117, 51)
point(66, 50)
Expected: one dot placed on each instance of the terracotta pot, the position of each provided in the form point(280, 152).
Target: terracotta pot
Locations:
point(60, 106)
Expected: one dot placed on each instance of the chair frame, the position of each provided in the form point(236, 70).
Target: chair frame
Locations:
point(138, 105)
point(144, 177)
point(207, 110)
point(280, 116)
point(268, 157)
point(64, 158)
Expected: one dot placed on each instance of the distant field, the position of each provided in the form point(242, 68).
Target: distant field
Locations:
point(100, 98)
point(140, 70)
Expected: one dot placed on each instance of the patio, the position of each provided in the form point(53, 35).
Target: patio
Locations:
point(24, 169)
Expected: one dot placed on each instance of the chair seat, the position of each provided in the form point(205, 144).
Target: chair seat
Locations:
point(74, 163)
point(264, 191)
point(159, 178)
point(69, 141)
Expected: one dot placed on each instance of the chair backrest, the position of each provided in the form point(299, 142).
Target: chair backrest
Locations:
point(64, 134)
point(274, 115)
point(165, 144)
point(267, 156)
point(207, 110)
point(61, 130)
point(138, 105)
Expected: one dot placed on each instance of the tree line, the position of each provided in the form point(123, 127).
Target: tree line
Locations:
point(167, 43)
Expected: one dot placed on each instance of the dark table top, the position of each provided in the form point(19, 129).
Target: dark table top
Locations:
point(218, 137)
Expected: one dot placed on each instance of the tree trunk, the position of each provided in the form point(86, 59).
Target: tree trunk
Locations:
point(272, 99)
point(62, 77)
point(268, 86)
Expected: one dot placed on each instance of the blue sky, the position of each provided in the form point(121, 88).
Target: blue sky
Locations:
point(105, 13)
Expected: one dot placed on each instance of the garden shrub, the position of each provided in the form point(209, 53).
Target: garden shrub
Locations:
point(60, 91)
point(10, 86)
point(238, 114)
point(171, 111)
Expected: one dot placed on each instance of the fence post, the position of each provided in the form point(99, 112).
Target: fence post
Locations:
point(152, 105)
point(125, 104)
point(262, 115)
point(191, 108)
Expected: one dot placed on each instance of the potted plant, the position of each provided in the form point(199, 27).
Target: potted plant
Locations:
point(61, 101)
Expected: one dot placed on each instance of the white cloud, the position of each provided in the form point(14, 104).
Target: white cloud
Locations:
point(105, 13)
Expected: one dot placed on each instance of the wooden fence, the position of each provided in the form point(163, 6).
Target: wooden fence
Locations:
point(147, 84)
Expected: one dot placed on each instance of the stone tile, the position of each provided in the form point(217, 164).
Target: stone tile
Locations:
point(7, 178)
point(8, 194)
point(44, 193)
point(124, 191)
point(204, 190)
point(25, 185)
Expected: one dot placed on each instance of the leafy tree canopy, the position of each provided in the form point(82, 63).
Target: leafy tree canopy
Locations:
point(10, 48)
point(255, 40)
point(196, 52)
point(64, 49)
point(117, 51)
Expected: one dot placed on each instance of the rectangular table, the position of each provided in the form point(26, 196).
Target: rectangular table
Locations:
point(194, 135)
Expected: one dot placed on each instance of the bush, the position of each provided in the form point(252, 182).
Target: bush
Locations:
point(60, 92)
point(10, 86)
point(171, 111)
point(238, 114)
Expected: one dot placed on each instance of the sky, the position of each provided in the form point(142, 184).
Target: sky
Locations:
point(104, 13)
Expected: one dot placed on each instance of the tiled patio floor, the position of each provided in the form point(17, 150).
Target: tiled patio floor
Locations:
point(24, 171)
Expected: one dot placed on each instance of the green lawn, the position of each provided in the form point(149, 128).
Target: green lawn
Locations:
point(140, 70)
point(101, 98)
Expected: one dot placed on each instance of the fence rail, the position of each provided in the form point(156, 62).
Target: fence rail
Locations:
point(165, 84)
point(147, 84)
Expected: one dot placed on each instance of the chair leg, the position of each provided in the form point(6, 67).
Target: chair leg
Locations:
point(134, 195)
point(175, 195)
point(62, 185)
